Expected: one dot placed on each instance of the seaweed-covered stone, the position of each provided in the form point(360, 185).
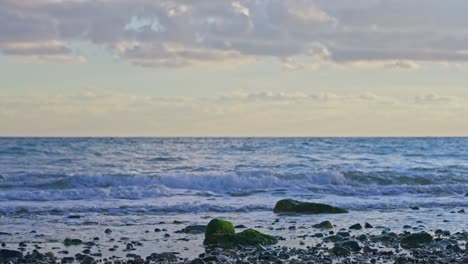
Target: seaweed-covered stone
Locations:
point(219, 230)
point(251, 237)
point(293, 206)
point(415, 240)
point(72, 242)
point(323, 225)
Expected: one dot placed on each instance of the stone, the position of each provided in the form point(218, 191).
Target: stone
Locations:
point(323, 225)
point(72, 242)
point(293, 206)
point(219, 230)
point(7, 254)
point(356, 227)
point(415, 240)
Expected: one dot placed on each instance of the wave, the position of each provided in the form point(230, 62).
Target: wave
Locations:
point(85, 187)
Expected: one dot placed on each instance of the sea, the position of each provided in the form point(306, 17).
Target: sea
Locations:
point(52, 188)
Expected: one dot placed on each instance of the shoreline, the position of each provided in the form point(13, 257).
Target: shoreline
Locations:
point(161, 239)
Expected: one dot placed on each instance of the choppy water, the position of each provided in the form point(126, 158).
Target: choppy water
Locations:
point(160, 175)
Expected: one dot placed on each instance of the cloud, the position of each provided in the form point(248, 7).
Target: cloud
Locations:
point(265, 113)
point(176, 33)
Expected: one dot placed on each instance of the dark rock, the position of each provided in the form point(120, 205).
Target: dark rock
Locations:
point(7, 254)
point(462, 211)
point(157, 230)
point(108, 231)
point(356, 227)
point(194, 229)
point(240, 226)
point(414, 207)
point(415, 240)
point(340, 251)
point(351, 245)
point(323, 225)
point(88, 260)
point(72, 242)
point(74, 216)
point(197, 261)
point(293, 206)
point(367, 225)
point(164, 257)
point(67, 260)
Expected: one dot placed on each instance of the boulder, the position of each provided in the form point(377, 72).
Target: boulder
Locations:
point(323, 225)
point(293, 206)
point(222, 233)
point(415, 240)
point(219, 230)
point(7, 254)
point(252, 237)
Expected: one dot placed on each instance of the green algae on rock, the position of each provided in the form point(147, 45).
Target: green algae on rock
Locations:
point(323, 225)
point(252, 237)
point(293, 206)
point(415, 240)
point(222, 233)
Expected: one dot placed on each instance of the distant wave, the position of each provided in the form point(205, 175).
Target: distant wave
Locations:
point(86, 187)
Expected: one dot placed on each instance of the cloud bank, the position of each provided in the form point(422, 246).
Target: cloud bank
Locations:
point(236, 114)
point(177, 33)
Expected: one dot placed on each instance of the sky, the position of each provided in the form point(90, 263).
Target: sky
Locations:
point(233, 68)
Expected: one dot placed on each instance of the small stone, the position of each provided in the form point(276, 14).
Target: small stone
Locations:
point(356, 226)
point(108, 231)
point(367, 225)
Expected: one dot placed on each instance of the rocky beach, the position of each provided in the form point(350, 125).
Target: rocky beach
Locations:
point(221, 241)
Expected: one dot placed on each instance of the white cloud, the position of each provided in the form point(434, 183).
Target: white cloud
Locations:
point(397, 33)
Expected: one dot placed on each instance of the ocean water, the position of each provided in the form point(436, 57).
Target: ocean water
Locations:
point(249, 174)
point(123, 182)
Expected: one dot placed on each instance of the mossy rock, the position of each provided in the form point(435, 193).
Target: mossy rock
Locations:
point(293, 206)
point(415, 240)
point(72, 242)
point(219, 231)
point(222, 233)
point(219, 226)
point(323, 225)
point(252, 237)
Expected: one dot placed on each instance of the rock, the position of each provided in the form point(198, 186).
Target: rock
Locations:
point(108, 231)
point(415, 240)
point(462, 211)
point(323, 225)
point(164, 257)
point(414, 207)
point(197, 261)
point(251, 237)
point(293, 206)
point(72, 242)
point(339, 251)
point(219, 230)
point(356, 227)
point(240, 226)
point(351, 245)
point(88, 260)
point(74, 216)
point(367, 225)
point(67, 260)
point(194, 229)
point(7, 254)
